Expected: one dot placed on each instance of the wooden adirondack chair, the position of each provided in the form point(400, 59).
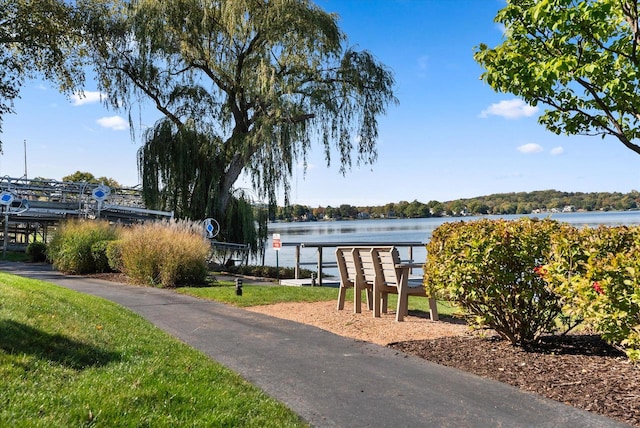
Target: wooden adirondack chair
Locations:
point(352, 276)
point(391, 276)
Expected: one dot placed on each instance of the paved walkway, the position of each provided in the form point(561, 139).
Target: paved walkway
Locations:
point(329, 380)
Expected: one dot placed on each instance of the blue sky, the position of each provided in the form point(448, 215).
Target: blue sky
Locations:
point(451, 136)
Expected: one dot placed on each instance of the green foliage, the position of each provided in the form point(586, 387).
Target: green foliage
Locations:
point(497, 203)
point(37, 252)
point(164, 254)
point(70, 249)
point(243, 87)
point(267, 271)
point(596, 273)
point(577, 57)
point(38, 37)
point(114, 255)
point(99, 255)
point(488, 267)
point(80, 177)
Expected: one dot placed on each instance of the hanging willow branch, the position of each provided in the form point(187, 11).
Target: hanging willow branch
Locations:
point(181, 171)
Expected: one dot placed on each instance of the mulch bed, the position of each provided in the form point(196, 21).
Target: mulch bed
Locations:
point(579, 370)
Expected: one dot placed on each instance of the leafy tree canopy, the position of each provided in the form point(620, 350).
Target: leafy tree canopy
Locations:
point(38, 36)
point(579, 57)
point(87, 177)
point(244, 86)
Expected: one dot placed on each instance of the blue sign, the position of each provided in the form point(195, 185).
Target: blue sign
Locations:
point(101, 193)
point(6, 198)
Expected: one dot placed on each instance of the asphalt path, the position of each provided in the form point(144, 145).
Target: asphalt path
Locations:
point(329, 380)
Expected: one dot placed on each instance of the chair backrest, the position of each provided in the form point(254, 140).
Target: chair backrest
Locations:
point(371, 260)
point(346, 266)
point(385, 264)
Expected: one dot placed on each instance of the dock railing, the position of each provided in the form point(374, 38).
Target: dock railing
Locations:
point(321, 246)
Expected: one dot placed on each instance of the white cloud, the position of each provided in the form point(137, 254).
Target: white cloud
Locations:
point(509, 109)
point(530, 148)
point(557, 151)
point(114, 122)
point(88, 97)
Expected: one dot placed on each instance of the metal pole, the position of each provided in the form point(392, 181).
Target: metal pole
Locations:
point(320, 266)
point(6, 234)
point(25, 159)
point(297, 265)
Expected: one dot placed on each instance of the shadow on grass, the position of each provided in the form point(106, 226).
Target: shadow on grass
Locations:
point(17, 338)
point(450, 319)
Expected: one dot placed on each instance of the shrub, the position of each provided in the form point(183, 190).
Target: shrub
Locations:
point(114, 255)
point(70, 247)
point(165, 254)
point(99, 254)
point(488, 267)
point(265, 271)
point(37, 252)
point(596, 273)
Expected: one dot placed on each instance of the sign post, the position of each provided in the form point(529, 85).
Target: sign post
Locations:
point(277, 244)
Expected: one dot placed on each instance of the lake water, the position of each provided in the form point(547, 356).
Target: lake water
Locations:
point(397, 230)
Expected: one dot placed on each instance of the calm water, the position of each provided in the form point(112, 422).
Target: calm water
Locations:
point(397, 230)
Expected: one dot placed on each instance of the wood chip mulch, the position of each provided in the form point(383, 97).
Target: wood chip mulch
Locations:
point(579, 370)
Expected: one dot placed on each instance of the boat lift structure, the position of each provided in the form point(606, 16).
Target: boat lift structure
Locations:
point(30, 207)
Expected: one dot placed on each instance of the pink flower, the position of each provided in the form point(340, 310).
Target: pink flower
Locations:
point(596, 286)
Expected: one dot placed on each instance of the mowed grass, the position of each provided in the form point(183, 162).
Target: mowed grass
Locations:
point(255, 295)
point(72, 360)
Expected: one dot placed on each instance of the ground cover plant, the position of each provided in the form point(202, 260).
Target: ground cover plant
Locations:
point(67, 359)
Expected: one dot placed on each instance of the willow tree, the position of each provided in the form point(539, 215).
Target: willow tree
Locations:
point(38, 37)
point(244, 87)
point(579, 57)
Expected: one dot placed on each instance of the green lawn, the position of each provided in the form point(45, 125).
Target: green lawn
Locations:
point(68, 359)
point(253, 295)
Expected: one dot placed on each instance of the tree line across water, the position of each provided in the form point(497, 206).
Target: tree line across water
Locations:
point(499, 204)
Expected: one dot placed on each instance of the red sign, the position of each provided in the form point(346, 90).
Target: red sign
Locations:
point(277, 244)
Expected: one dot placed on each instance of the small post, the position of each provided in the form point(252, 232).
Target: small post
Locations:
point(6, 233)
point(320, 265)
point(313, 279)
point(238, 287)
point(297, 263)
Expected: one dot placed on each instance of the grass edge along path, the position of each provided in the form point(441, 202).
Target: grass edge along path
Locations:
point(257, 295)
point(69, 359)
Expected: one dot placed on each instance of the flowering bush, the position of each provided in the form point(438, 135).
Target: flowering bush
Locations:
point(491, 269)
point(596, 274)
